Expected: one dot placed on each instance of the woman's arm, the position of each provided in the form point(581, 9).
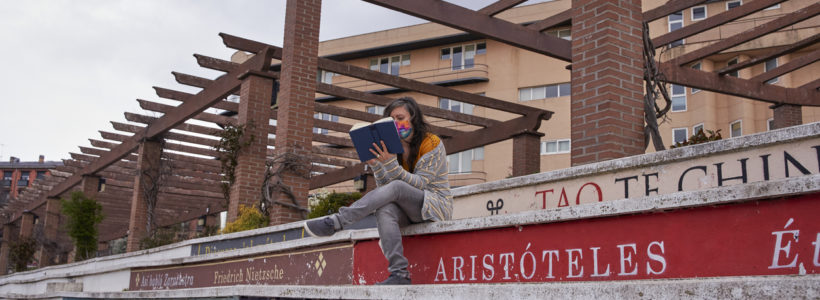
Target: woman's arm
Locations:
point(426, 171)
point(378, 173)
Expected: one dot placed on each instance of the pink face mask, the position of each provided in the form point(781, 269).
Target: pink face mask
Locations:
point(404, 128)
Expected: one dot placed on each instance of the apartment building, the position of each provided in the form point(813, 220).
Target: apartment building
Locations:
point(444, 56)
point(19, 175)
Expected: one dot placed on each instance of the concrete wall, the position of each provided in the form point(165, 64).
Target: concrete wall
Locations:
point(109, 277)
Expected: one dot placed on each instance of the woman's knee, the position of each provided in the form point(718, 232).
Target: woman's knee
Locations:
point(388, 212)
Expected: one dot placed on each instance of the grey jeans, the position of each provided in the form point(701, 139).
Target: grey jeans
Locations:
point(396, 204)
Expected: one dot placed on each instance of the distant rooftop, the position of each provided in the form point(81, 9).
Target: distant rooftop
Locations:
point(15, 163)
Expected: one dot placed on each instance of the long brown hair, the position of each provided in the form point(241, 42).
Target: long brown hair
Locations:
point(420, 128)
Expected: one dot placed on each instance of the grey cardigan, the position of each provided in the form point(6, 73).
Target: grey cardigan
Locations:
point(430, 176)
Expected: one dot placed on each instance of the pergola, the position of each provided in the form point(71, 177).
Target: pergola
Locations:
point(131, 160)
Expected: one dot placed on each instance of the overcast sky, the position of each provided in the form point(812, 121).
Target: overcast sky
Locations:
point(67, 68)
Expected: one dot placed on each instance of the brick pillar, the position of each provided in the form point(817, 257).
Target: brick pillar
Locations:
point(607, 80)
point(298, 83)
point(212, 220)
point(527, 153)
point(254, 113)
point(90, 186)
point(150, 153)
point(786, 115)
point(26, 225)
point(51, 225)
point(4, 248)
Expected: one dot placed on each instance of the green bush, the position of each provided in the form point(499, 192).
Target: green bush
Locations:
point(84, 214)
point(249, 218)
point(330, 203)
point(21, 252)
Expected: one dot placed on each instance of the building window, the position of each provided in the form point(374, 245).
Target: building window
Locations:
point(232, 98)
point(770, 124)
point(7, 175)
point(733, 4)
point(326, 77)
point(41, 174)
point(732, 61)
point(776, 6)
point(561, 33)
point(463, 56)
point(696, 66)
point(23, 181)
point(462, 162)
point(456, 106)
point(555, 147)
point(675, 23)
point(698, 13)
point(770, 65)
point(736, 128)
point(389, 65)
point(678, 97)
point(375, 109)
point(544, 91)
point(679, 135)
point(697, 128)
point(326, 117)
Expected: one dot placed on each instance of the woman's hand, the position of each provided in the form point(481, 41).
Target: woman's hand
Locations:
point(381, 152)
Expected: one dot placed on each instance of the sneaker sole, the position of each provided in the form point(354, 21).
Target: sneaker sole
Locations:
point(307, 229)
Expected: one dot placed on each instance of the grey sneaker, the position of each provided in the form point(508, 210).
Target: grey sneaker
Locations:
point(320, 227)
point(395, 279)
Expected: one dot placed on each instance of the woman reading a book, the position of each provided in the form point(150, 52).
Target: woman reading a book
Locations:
point(412, 188)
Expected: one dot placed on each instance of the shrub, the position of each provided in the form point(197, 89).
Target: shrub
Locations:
point(84, 214)
point(249, 218)
point(330, 203)
point(21, 252)
point(699, 138)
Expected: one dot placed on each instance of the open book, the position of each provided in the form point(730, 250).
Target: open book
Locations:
point(365, 134)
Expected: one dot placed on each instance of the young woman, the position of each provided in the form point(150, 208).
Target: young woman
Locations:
point(412, 188)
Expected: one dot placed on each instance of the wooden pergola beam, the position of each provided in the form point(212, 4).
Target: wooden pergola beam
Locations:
point(499, 6)
point(223, 86)
point(745, 88)
point(772, 54)
point(751, 34)
point(790, 66)
point(395, 81)
point(713, 21)
point(215, 63)
point(470, 140)
point(668, 8)
point(467, 20)
point(563, 17)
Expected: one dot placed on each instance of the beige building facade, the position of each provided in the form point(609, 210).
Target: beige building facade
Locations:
point(437, 54)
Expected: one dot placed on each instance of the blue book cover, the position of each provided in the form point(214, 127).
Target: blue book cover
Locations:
point(365, 134)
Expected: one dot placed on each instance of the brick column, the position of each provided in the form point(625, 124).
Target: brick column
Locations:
point(254, 113)
point(4, 248)
point(90, 186)
point(26, 225)
point(298, 83)
point(786, 115)
point(51, 225)
point(527, 153)
point(150, 153)
point(607, 80)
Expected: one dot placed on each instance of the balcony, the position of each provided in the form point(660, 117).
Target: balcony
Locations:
point(442, 77)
